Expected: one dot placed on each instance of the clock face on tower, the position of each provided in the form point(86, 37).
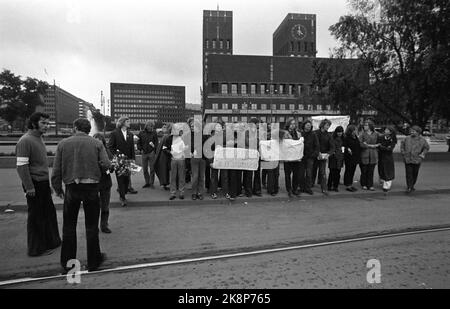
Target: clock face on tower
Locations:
point(298, 32)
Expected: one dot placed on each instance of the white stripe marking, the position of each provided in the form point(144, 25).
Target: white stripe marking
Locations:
point(225, 256)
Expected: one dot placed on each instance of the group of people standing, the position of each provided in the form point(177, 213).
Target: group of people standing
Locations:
point(358, 146)
point(84, 164)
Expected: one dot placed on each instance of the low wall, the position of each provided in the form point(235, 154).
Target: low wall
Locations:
point(10, 162)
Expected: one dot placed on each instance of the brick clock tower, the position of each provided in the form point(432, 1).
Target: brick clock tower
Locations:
point(296, 36)
point(217, 39)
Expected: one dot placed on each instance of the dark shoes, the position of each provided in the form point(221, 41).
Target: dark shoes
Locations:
point(181, 197)
point(123, 202)
point(106, 230)
point(101, 261)
point(132, 191)
point(146, 185)
point(172, 197)
point(194, 197)
point(325, 193)
point(200, 197)
point(214, 196)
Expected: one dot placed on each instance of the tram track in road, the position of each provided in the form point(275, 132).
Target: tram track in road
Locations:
point(243, 252)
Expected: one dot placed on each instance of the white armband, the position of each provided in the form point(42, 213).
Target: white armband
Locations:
point(22, 161)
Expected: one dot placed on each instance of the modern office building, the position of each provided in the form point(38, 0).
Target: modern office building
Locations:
point(141, 102)
point(84, 107)
point(62, 106)
point(271, 88)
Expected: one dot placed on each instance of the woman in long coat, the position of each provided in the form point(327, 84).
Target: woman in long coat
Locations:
point(352, 156)
point(369, 155)
point(386, 168)
point(162, 160)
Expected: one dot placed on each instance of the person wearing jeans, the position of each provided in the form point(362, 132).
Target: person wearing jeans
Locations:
point(176, 147)
point(414, 149)
point(198, 160)
point(369, 155)
point(310, 153)
point(147, 144)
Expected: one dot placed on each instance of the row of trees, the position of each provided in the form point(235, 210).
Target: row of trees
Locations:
point(19, 97)
point(405, 48)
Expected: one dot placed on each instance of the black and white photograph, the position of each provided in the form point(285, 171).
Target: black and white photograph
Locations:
point(224, 151)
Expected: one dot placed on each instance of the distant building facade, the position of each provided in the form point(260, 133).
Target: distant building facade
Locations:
point(66, 104)
point(142, 102)
point(271, 88)
point(192, 110)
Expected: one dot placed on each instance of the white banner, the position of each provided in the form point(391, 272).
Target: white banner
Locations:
point(335, 122)
point(236, 159)
point(288, 150)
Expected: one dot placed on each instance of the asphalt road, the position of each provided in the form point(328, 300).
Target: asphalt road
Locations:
point(416, 261)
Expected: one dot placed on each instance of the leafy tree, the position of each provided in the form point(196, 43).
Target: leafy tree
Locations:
point(404, 45)
point(19, 98)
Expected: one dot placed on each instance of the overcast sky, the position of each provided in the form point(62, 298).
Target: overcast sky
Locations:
point(86, 44)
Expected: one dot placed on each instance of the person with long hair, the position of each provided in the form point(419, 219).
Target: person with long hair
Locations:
point(104, 189)
point(292, 167)
point(147, 144)
point(326, 148)
point(310, 153)
point(218, 140)
point(162, 161)
point(121, 141)
point(352, 156)
point(336, 160)
point(32, 166)
point(386, 168)
point(369, 155)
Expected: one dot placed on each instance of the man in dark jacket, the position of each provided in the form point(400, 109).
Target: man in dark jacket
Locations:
point(326, 148)
point(122, 140)
point(78, 163)
point(147, 144)
point(310, 153)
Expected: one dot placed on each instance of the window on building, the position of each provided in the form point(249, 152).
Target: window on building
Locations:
point(225, 118)
point(224, 105)
point(214, 118)
point(281, 89)
point(299, 87)
point(224, 88)
point(215, 87)
point(228, 44)
point(300, 107)
point(234, 118)
point(254, 106)
point(273, 106)
point(215, 106)
point(263, 118)
point(281, 119)
point(328, 107)
point(244, 118)
point(310, 107)
point(290, 89)
point(263, 88)
point(253, 88)
point(221, 44)
point(282, 106)
point(319, 107)
point(244, 88)
point(292, 107)
point(214, 43)
point(263, 106)
point(233, 88)
point(234, 106)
